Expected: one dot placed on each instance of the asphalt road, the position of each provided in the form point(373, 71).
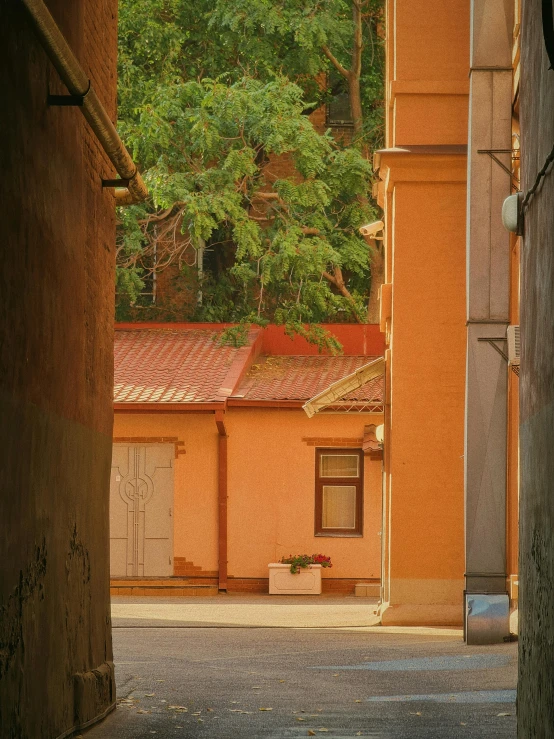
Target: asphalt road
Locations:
point(224, 683)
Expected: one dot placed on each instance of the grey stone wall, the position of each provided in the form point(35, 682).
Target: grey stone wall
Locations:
point(56, 374)
point(536, 590)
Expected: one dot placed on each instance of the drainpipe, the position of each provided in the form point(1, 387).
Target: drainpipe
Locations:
point(80, 88)
point(222, 498)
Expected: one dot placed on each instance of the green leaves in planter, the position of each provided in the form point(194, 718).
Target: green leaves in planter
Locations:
point(305, 560)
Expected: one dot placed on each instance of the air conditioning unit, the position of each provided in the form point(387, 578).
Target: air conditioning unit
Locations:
point(514, 345)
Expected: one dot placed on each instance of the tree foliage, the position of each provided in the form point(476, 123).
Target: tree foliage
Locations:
point(310, 37)
point(213, 102)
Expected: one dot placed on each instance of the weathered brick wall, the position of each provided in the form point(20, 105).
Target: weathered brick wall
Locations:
point(56, 374)
point(536, 590)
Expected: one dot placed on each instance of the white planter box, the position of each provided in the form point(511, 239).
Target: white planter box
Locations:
point(305, 582)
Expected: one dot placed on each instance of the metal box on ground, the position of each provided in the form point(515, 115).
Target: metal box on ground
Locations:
point(486, 618)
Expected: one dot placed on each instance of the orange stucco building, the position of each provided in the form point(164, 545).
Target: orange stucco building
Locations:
point(450, 292)
point(423, 172)
point(440, 511)
point(216, 443)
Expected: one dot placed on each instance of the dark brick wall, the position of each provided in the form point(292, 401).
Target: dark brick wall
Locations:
point(536, 589)
point(56, 374)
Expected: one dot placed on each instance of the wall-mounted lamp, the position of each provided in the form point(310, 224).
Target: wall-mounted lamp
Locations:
point(512, 213)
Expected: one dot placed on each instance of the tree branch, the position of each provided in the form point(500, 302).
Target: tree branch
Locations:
point(158, 216)
point(330, 278)
point(265, 196)
point(356, 70)
point(337, 280)
point(335, 62)
point(357, 46)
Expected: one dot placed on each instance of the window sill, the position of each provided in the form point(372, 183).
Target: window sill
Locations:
point(334, 535)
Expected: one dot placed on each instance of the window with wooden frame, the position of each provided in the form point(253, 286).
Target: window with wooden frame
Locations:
point(339, 492)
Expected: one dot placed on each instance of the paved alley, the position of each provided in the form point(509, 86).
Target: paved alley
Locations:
point(254, 611)
point(216, 682)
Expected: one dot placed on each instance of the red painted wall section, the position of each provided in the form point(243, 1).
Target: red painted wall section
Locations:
point(356, 339)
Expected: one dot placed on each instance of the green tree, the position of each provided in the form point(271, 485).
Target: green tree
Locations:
point(310, 37)
point(207, 111)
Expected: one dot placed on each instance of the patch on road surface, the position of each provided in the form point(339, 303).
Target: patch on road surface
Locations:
point(472, 696)
point(462, 662)
point(293, 733)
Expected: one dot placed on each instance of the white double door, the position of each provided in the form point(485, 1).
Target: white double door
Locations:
point(141, 510)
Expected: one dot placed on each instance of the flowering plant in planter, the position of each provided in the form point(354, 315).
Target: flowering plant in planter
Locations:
point(305, 560)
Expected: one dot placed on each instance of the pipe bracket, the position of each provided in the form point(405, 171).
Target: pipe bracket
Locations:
point(66, 100)
point(77, 100)
point(115, 183)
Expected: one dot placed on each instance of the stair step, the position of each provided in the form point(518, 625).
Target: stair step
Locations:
point(167, 589)
point(170, 586)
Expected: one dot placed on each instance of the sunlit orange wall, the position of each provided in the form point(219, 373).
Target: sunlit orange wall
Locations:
point(271, 493)
point(427, 71)
point(271, 488)
point(431, 40)
point(424, 195)
point(428, 384)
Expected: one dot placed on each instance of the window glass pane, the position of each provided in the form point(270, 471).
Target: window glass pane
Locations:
point(339, 465)
point(338, 105)
point(339, 110)
point(339, 507)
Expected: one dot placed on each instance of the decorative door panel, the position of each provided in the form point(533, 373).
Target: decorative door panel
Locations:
point(141, 503)
point(118, 514)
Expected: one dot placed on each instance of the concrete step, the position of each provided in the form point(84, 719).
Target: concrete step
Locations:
point(367, 590)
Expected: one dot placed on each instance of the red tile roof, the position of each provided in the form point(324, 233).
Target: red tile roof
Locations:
point(300, 378)
point(173, 366)
point(188, 366)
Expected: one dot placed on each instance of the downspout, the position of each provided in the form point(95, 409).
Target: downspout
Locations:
point(80, 88)
point(386, 483)
point(222, 498)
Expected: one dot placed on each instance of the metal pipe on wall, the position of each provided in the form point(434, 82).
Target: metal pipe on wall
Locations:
point(78, 84)
point(222, 498)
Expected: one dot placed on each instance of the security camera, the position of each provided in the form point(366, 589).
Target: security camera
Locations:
point(371, 229)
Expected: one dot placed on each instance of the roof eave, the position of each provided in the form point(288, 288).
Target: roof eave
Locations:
point(268, 403)
point(345, 385)
point(153, 407)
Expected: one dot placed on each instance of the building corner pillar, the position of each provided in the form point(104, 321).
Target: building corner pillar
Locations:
point(486, 607)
